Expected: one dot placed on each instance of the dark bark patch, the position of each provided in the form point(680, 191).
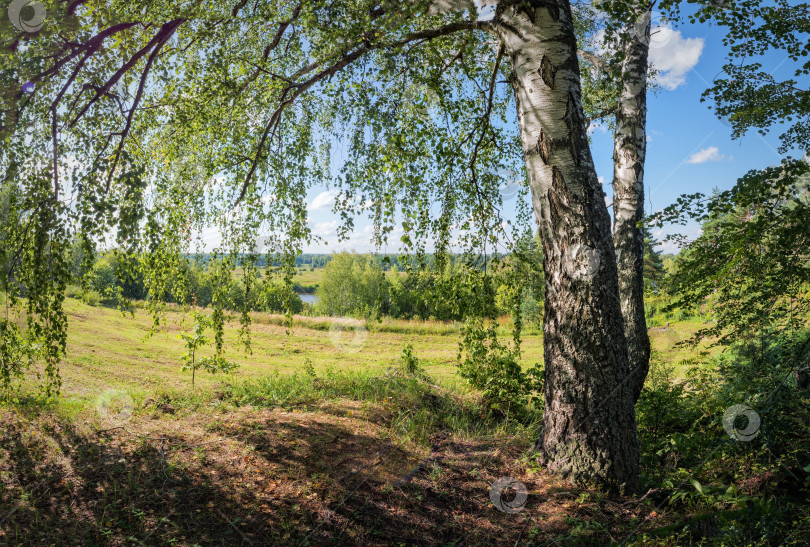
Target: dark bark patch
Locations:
point(547, 72)
point(529, 11)
point(558, 181)
point(557, 204)
point(573, 121)
point(638, 167)
point(563, 203)
point(544, 147)
point(529, 8)
point(552, 7)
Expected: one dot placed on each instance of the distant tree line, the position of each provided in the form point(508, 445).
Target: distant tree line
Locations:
point(310, 260)
point(364, 285)
point(106, 282)
point(359, 285)
point(452, 288)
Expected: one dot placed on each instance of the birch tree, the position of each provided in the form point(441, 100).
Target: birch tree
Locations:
point(629, 157)
point(257, 95)
point(617, 71)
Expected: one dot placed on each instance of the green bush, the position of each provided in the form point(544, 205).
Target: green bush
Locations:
point(277, 298)
point(73, 291)
point(756, 488)
point(91, 298)
point(665, 416)
point(352, 285)
point(493, 368)
point(103, 279)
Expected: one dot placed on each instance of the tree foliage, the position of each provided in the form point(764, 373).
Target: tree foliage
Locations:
point(654, 272)
point(352, 284)
point(751, 264)
point(761, 37)
point(142, 125)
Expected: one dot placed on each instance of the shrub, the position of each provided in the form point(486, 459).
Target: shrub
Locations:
point(755, 487)
point(73, 291)
point(494, 369)
point(103, 279)
point(276, 298)
point(352, 285)
point(91, 298)
point(664, 416)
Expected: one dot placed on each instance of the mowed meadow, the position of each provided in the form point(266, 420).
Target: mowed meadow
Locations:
point(323, 435)
point(110, 349)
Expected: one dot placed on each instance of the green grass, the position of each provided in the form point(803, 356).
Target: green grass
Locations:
point(310, 442)
point(306, 277)
point(667, 342)
point(109, 350)
point(413, 406)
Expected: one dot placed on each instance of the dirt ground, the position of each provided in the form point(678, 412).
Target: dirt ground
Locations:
point(328, 476)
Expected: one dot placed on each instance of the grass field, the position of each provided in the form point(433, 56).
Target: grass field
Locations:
point(109, 350)
point(307, 277)
point(319, 438)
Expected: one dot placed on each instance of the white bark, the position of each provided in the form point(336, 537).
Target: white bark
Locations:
point(589, 432)
point(630, 149)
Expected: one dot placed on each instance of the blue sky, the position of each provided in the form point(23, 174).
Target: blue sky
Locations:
point(689, 149)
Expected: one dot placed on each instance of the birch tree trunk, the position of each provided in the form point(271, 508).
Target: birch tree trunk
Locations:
point(630, 149)
point(589, 430)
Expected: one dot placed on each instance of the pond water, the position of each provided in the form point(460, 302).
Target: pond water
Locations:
point(308, 298)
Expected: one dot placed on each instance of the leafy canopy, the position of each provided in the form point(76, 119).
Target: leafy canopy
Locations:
point(139, 126)
point(751, 264)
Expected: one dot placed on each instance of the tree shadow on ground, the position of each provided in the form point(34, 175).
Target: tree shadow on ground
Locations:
point(268, 477)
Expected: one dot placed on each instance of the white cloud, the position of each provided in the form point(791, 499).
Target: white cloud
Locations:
point(359, 240)
point(325, 229)
point(673, 56)
point(323, 200)
point(601, 179)
point(711, 153)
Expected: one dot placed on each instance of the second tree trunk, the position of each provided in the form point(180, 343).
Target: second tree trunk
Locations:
point(630, 149)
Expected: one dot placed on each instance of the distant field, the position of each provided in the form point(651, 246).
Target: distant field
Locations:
point(108, 350)
point(302, 275)
point(306, 277)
